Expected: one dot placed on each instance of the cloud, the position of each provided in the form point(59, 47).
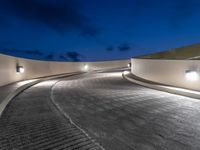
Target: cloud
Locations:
point(124, 47)
point(34, 52)
point(110, 48)
point(50, 56)
point(63, 57)
point(60, 15)
point(31, 52)
point(68, 56)
point(74, 56)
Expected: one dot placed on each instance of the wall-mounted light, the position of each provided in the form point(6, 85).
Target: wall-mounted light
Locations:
point(20, 69)
point(129, 65)
point(86, 67)
point(191, 75)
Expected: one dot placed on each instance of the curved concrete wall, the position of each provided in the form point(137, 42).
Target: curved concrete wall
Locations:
point(171, 72)
point(34, 69)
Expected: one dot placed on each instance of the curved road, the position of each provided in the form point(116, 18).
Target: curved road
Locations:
point(97, 111)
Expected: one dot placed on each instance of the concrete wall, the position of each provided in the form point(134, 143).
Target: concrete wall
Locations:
point(171, 72)
point(34, 69)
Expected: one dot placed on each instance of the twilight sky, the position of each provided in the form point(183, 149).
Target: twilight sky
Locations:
point(94, 30)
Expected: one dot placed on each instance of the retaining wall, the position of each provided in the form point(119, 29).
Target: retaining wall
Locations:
point(34, 68)
point(170, 72)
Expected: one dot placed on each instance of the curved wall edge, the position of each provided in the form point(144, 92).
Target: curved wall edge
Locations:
point(37, 68)
point(170, 72)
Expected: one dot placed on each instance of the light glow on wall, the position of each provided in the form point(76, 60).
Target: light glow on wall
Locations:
point(86, 67)
point(126, 72)
point(20, 69)
point(191, 75)
point(21, 83)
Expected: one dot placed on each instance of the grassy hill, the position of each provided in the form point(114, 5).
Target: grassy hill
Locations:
point(187, 52)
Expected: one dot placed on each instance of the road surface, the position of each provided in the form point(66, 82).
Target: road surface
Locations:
point(99, 111)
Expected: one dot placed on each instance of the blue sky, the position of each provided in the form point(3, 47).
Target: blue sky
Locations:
point(95, 30)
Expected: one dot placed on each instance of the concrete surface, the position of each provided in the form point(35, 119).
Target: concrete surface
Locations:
point(35, 69)
point(161, 87)
point(7, 89)
point(125, 116)
point(117, 114)
point(32, 122)
point(7, 95)
point(170, 72)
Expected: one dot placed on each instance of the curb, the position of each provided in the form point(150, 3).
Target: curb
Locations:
point(57, 106)
point(165, 88)
point(19, 90)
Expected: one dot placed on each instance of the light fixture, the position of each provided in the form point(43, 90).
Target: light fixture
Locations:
point(20, 69)
point(191, 75)
point(129, 65)
point(86, 67)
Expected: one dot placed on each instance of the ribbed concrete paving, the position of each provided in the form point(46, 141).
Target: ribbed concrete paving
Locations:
point(125, 116)
point(32, 122)
point(7, 89)
point(114, 112)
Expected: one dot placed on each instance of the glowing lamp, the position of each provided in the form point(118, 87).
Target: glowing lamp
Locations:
point(86, 67)
point(20, 69)
point(191, 75)
point(129, 65)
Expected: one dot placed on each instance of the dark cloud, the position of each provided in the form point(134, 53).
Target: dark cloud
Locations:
point(34, 52)
point(74, 56)
point(50, 56)
point(37, 54)
point(60, 15)
point(31, 52)
point(63, 57)
point(124, 47)
point(110, 48)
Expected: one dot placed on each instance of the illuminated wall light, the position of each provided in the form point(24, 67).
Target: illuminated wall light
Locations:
point(20, 69)
point(191, 75)
point(86, 67)
point(129, 65)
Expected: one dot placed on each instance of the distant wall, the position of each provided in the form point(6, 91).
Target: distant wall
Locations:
point(171, 72)
point(34, 69)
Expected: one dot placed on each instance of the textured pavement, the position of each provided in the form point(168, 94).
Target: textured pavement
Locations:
point(113, 112)
point(7, 89)
point(32, 122)
point(125, 116)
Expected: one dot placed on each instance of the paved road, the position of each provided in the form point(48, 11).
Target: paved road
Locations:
point(7, 89)
point(114, 112)
point(33, 122)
